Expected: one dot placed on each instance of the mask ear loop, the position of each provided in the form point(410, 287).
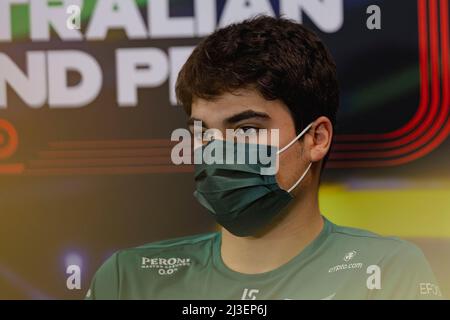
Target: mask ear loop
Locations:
point(295, 139)
point(300, 179)
point(290, 144)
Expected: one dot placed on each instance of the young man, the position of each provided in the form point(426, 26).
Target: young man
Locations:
point(266, 73)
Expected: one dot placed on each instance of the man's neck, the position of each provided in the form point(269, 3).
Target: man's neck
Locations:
point(299, 226)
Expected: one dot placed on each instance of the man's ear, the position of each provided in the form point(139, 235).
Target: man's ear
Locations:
point(321, 136)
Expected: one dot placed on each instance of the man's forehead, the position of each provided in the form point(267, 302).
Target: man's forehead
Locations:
point(227, 105)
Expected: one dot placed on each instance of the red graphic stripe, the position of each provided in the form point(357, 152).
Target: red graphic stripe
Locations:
point(108, 153)
point(157, 160)
point(444, 116)
point(421, 111)
point(428, 121)
point(10, 147)
point(111, 170)
point(113, 144)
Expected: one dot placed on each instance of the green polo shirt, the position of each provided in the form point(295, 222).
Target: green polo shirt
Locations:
point(340, 263)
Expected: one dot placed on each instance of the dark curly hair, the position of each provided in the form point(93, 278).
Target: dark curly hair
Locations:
point(278, 57)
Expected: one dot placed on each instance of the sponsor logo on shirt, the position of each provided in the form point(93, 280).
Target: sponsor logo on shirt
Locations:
point(344, 266)
point(427, 288)
point(349, 256)
point(330, 297)
point(249, 294)
point(165, 266)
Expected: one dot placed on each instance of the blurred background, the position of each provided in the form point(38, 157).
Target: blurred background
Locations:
point(86, 116)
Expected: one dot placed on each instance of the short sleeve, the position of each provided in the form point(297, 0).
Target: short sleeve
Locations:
point(406, 274)
point(105, 283)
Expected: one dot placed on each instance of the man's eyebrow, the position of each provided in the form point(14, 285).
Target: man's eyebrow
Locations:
point(245, 115)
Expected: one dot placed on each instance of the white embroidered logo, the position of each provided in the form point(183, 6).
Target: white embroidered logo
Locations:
point(349, 256)
point(165, 266)
point(249, 294)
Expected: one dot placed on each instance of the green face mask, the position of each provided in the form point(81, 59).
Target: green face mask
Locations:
point(242, 195)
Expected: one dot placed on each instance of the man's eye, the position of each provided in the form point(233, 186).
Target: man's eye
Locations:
point(248, 131)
